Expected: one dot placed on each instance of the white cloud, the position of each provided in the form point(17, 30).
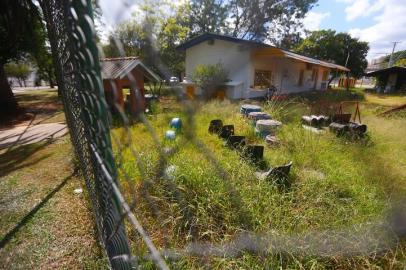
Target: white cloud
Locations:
point(115, 12)
point(312, 21)
point(362, 8)
point(388, 26)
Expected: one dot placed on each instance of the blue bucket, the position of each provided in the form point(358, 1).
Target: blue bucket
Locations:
point(176, 123)
point(170, 135)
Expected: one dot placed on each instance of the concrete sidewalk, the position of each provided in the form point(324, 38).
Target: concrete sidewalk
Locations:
point(21, 135)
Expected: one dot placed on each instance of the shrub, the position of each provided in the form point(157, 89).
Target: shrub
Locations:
point(209, 78)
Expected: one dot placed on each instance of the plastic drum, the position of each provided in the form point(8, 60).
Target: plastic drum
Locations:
point(267, 126)
point(247, 108)
point(176, 123)
point(170, 135)
point(271, 140)
point(255, 116)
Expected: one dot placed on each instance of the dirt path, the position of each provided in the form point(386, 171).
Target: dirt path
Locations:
point(22, 135)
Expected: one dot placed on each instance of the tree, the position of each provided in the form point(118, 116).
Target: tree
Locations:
point(208, 16)
point(399, 55)
point(336, 47)
point(248, 19)
point(20, 71)
point(46, 69)
point(130, 36)
point(174, 30)
point(290, 41)
point(401, 62)
point(21, 32)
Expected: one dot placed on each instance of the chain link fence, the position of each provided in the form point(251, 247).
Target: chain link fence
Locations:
point(104, 157)
point(72, 37)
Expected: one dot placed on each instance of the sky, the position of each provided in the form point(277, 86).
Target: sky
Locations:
point(379, 22)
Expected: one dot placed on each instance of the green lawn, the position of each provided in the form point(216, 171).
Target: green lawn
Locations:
point(338, 184)
point(61, 234)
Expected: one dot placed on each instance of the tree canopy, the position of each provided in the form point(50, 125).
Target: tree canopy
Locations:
point(153, 34)
point(21, 33)
point(336, 47)
point(399, 59)
point(20, 71)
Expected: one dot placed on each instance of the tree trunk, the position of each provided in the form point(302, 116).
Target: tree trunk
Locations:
point(8, 103)
point(51, 81)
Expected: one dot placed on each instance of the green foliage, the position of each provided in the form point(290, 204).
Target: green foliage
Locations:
point(208, 16)
point(21, 30)
point(21, 33)
point(272, 20)
point(174, 30)
point(397, 56)
point(132, 37)
point(401, 62)
point(253, 20)
point(209, 78)
point(20, 71)
point(336, 47)
point(46, 69)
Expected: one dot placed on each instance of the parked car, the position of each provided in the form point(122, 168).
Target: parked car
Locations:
point(174, 80)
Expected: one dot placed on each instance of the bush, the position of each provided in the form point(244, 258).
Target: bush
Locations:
point(209, 78)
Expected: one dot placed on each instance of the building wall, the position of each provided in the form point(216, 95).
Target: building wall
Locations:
point(238, 60)
point(286, 73)
point(234, 57)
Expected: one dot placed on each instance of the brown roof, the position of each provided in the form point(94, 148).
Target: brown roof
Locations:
point(118, 68)
point(394, 69)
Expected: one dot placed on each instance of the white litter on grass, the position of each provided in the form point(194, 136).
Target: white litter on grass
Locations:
point(78, 191)
point(170, 172)
point(313, 129)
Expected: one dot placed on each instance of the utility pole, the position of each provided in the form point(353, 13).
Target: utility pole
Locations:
point(347, 73)
point(391, 56)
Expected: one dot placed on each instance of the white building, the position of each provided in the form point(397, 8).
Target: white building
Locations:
point(253, 66)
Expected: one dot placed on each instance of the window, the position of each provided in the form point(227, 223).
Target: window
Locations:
point(301, 75)
point(262, 79)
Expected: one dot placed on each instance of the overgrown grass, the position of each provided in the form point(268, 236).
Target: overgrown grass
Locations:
point(337, 184)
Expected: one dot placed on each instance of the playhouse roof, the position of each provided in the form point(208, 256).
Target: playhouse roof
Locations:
point(118, 68)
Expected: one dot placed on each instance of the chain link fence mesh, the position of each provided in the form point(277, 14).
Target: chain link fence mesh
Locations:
point(72, 37)
point(116, 198)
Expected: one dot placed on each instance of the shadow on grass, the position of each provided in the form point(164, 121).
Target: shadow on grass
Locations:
point(33, 211)
point(41, 96)
point(16, 158)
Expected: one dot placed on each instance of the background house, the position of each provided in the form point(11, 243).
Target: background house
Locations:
point(252, 66)
point(125, 73)
point(390, 79)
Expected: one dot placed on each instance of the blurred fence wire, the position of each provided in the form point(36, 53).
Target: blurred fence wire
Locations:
point(72, 37)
